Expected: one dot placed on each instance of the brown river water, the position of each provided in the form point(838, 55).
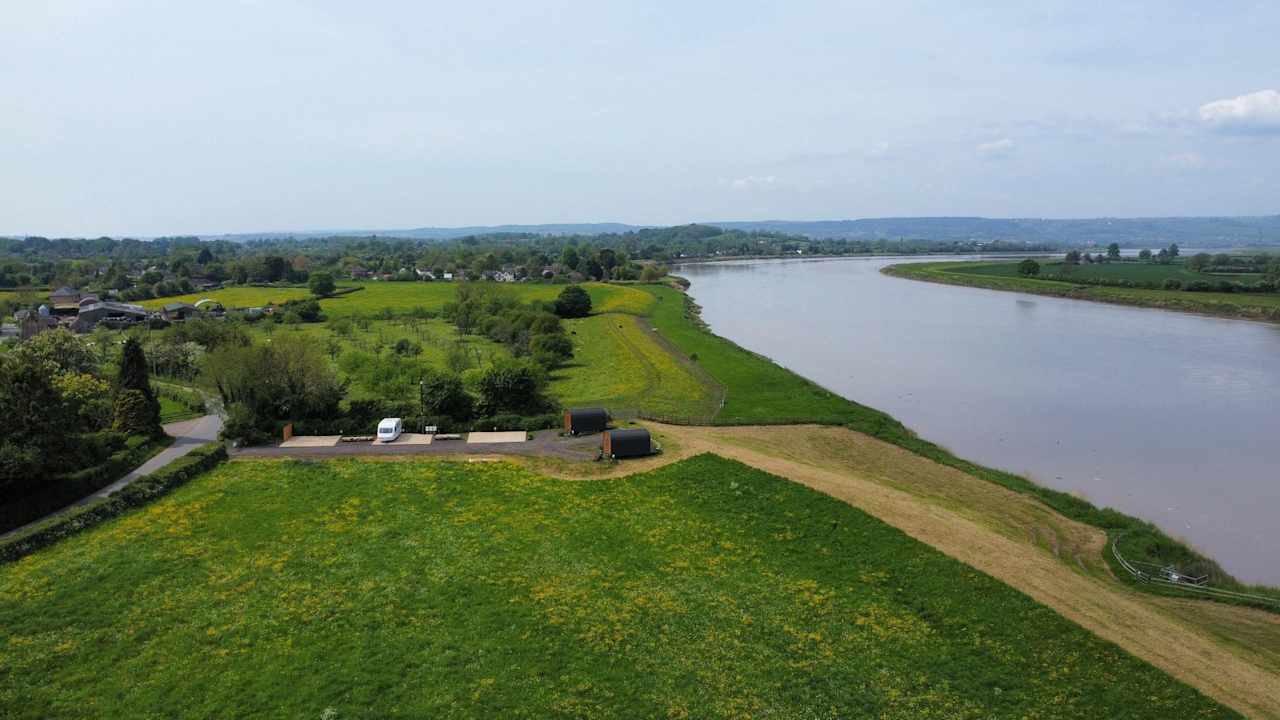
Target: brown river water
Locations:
point(1170, 417)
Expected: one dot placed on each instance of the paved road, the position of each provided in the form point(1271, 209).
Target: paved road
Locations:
point(187, 436)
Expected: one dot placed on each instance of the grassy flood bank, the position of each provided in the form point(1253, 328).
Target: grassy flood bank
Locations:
point(761, 392)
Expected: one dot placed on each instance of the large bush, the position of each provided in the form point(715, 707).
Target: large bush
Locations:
point(513, 386)
point(263, 385)
point(443, 394)
point(574, 302)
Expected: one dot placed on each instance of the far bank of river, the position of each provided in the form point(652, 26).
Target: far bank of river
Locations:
point(1165, 416)
point(1247, 306)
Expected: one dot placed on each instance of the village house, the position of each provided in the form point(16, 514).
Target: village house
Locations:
point(33, 323)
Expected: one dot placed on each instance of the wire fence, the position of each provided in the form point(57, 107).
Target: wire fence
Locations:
point(1167, 576)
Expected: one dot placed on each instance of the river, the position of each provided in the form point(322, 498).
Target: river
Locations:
point(1170, 417)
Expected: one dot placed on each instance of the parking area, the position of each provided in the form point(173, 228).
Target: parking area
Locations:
point(545, 443)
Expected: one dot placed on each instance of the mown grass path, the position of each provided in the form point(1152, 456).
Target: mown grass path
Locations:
point(618, 363)
point(1229, 653)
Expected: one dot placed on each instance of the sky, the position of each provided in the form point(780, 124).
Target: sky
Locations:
point(132, 117)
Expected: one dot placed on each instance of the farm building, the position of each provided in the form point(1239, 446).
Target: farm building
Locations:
point(581, 421)
point(627, 443)
point(111, 314)
point(179, 311)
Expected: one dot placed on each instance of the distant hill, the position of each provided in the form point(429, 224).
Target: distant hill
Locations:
point(1129, 232)
point(442, 233)
point(1132, 232)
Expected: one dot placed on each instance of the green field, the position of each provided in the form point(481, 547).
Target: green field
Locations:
point(401, 297)
point(1135, 271)
point(616, 364)
point(360, 589)
point(1004, 276)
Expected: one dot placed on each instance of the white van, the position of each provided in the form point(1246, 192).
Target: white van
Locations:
point(389, 429)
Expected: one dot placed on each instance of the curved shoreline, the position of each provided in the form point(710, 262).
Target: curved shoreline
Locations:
point(883, 426)
point(1132, 297)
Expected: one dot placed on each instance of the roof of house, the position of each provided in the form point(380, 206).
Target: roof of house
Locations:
point(118, 307)
point(179, 306)
point(64, 290)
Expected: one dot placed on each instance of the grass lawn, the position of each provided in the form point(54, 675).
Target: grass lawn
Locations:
point(172, 411)
point(427, 589)
point(617, 364)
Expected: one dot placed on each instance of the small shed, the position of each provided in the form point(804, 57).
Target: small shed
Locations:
point(627, 443)
point(581, 421)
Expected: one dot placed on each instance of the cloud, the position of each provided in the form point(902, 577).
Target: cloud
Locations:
point(996, 148)
point(1257, 112)
point(754, 182)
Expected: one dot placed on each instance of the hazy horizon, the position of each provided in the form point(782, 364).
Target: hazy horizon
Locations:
point(131, 118)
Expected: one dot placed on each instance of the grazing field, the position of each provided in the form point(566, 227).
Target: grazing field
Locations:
point(235, 297)
point(355, 589)
point(616, 364)
point(1004, 276)
point(401, 297)
point(1135, 271)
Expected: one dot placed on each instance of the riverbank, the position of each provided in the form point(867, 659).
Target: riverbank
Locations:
point(759, 391)
point(1244, 306)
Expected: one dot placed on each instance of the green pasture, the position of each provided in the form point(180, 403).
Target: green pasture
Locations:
point(364, 589)
point(617, 364)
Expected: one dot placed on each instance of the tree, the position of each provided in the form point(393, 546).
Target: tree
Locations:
point(34, 442)
point(551, 350)
point(86, 398)
point(1173, 250)
point(513, 386)
point(573, 302)
point(569, 258)
point(1072, 257)
point(1113, 251)
point(289, 379)
point(1221, 260)
point(132, 413)
point(61, 350)
point(321, 284)
point(1029, 267)
point(1199, 262)
point(652, 273)
point(1144, 254)
point(133, 376)
point(443, 395)
point(205, 257)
